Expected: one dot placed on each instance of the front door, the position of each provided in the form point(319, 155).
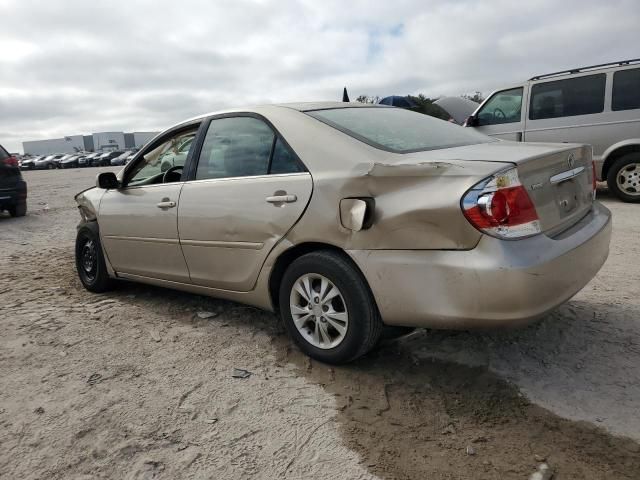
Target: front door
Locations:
point(501, 115)
point(249, 189)
point(139, 222)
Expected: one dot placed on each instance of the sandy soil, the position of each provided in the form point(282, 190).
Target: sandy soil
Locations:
point(135, 384)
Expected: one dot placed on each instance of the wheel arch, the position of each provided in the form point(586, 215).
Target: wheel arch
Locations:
point(291, 254)
point(616, 151)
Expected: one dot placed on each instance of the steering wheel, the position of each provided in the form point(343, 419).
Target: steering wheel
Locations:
point(498, 113)
point(166, 178)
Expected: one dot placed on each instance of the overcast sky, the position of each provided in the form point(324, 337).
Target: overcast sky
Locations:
point(78, 66)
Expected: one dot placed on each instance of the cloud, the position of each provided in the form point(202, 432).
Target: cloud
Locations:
point(77, 67)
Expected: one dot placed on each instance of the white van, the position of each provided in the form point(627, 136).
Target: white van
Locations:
point(597, 105)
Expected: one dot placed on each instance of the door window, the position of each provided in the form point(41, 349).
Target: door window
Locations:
point(626, 90)
point(235, 147)
point(502, 107)
point(151, 166)
point(567, 98)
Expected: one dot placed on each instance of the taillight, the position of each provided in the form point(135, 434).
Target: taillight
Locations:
point(11, 162)
point(593, 178)
point(500, 206)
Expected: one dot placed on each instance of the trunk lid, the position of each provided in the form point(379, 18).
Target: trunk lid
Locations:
point(560, 186)
point(557, 177)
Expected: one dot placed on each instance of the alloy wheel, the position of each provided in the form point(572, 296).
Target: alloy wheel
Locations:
point(319, 311)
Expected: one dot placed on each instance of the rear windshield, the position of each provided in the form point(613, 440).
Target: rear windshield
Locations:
point(398, 130)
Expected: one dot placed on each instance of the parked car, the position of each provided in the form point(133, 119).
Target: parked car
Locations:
point(13, 188)
point(176, 155)
point(130, 156)
point(121, 159)
point(85, 161)
point(28, 163)
point(104, 159)
point(598, 105)
point(69, 161)
point(48, 162)
point(347, 218)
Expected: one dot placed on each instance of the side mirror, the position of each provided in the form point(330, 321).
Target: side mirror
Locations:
point(471, 121)
point(107, 180)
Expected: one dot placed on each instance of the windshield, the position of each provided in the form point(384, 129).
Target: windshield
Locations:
point(398, 130)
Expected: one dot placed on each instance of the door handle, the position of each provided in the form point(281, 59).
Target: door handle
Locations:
point(166, 203)
point(282, 199)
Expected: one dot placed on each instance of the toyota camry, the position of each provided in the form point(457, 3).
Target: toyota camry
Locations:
point(349, 220)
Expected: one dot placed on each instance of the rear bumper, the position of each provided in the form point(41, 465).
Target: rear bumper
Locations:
point(13, 195)
point(498, 283)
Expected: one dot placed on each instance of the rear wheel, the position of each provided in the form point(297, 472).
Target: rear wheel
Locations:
point(18, 210)
point(623, 178)
point(328, 309)
point(90, 262)
point(50, 166)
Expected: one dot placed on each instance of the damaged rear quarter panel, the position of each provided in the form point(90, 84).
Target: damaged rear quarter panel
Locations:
point(417, 195)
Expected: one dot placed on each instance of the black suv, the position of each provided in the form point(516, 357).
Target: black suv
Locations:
point(13, 189)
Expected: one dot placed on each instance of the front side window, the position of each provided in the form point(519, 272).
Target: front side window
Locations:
point(568, 98)
point(397, 130)
point(235, 147)
point(171, 153)
point(626, 90)
point(502, 107)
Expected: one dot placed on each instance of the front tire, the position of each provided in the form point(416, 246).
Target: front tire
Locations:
point(623, 178)
point(90, 262)
point(328, 308)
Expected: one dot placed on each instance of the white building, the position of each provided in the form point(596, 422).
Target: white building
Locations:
point(96, 142)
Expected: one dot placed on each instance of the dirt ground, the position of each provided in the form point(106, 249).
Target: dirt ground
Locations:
point(135, 384)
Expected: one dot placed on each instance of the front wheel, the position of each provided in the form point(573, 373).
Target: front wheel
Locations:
point(623, 178)
point(90, 262)
point(328, 309)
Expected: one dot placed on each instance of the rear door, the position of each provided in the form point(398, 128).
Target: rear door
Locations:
point(247, 190)
point(501, 115)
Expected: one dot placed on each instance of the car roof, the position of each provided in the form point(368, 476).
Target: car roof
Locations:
point(298, 106)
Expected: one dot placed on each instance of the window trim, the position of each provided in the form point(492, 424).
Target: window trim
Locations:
point(522, 99)
point(613, 89)
point(156, 142)
point(195, 153)
point(568, 79)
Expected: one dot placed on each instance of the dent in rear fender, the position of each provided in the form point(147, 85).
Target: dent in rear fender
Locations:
point(89, 203)
point(417, 205)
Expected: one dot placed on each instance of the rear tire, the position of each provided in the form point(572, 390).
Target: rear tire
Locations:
point(348, 339)
point(18, 210)
point(623, 178)
point(90, 262)
point(50, 166)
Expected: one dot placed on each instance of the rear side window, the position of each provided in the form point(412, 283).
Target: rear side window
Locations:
point(626, 90)
point(568, 98)
point(284, 160)
point(3, 155)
